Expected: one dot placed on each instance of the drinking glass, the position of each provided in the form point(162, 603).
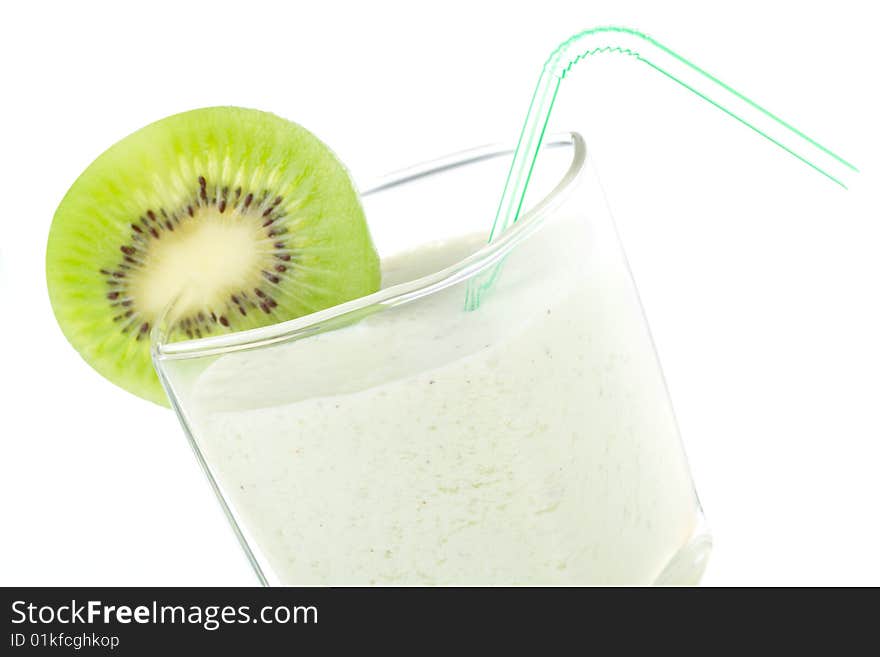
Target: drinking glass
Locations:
point(410, 438)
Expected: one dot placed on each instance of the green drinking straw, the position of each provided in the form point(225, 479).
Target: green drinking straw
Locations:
point(641, 47)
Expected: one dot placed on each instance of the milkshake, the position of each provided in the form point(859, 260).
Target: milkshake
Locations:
point(528, 442)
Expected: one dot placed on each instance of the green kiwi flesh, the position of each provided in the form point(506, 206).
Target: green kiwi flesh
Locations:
point(237, 217)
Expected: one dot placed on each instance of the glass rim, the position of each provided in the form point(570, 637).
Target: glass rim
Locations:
point(472, 265)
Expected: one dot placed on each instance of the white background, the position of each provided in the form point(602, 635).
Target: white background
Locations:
point(759, 278)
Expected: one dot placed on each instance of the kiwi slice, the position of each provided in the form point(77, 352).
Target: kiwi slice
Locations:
point(237, 217)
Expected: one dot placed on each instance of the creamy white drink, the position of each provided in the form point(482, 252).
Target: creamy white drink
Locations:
point(528, 442)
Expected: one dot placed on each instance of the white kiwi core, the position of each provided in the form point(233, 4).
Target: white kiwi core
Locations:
point(200, 264)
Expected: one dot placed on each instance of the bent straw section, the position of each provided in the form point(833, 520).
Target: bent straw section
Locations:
point(641, 47)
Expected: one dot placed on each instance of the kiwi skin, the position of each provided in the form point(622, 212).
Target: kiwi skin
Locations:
point(277, 191)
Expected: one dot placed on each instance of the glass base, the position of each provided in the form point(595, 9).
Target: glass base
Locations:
point(686, 568)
